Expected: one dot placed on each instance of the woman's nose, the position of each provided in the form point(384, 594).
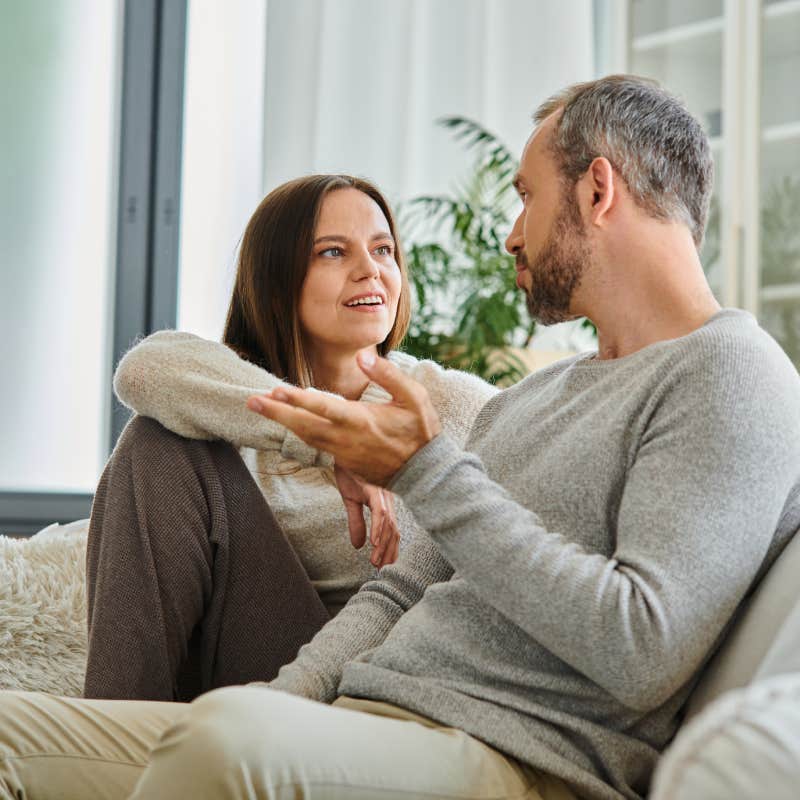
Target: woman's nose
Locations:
point(366, 266)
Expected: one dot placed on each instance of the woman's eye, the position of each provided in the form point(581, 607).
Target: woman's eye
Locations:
point(332, 252)
point(384, 250)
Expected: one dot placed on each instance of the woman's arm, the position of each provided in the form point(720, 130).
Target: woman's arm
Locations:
point(196, 388)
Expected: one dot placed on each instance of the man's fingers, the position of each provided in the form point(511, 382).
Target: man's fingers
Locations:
point(310, 427)
point(403, 389)
point(334, 409)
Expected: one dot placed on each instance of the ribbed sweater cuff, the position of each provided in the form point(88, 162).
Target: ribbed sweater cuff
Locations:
point(425, 469)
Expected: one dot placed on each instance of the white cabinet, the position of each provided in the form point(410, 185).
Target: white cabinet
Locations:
point(736, 63)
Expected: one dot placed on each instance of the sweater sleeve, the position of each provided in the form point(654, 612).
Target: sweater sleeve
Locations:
point(364, 622)
point(640, 622)
point(372, 612)
point(196, 388)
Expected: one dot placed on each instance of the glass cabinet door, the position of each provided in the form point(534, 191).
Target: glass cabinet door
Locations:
point(680, 44)
point(779, 273)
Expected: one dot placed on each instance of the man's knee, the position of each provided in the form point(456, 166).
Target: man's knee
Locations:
point(228, 735)
point(19, 727)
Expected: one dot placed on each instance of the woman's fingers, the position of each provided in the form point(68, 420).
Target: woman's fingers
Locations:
point(396, 552)
point(377, 504)
point(387, 548)
point(355, 522)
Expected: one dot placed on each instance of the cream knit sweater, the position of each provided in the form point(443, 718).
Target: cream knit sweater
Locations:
point(198, 389)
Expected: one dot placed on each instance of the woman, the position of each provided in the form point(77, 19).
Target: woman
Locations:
point(218, 541)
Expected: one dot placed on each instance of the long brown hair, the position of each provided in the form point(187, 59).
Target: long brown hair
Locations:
point(263, 324)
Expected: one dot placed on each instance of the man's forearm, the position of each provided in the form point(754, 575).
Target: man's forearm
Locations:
point(637, 636)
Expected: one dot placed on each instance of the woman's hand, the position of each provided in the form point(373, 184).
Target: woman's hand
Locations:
point(384, 534)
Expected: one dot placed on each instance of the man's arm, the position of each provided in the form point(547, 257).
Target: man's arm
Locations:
point(366, 619)
point(638, 623)
point(696, 516)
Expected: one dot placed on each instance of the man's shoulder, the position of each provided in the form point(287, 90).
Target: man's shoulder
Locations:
point(733, 349)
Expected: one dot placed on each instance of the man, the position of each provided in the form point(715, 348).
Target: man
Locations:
point(586, 553)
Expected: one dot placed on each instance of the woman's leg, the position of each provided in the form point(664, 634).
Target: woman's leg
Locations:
point(191, 584)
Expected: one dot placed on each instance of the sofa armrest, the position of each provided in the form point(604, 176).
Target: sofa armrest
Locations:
point(745, 745)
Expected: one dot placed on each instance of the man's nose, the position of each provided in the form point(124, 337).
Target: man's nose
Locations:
point(515, 241)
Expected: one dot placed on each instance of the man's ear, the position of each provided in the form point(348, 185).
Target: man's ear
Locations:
point(599, 190)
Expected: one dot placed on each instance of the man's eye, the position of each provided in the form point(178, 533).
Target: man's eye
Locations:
point(332, 252)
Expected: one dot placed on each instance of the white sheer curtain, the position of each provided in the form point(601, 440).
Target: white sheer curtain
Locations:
point(297, 86)
point(59, 94)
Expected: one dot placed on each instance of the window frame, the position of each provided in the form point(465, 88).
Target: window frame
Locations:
point(145, 272)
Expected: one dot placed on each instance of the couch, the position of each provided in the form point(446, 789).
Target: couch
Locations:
point(741, 734)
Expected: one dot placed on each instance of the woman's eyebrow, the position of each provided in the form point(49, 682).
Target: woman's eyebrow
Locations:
point(331, 238)
point(338, 238)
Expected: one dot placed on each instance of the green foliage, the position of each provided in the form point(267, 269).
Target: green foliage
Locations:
point(467, 307)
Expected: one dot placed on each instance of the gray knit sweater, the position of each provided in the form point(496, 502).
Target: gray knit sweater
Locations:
point(605, 526)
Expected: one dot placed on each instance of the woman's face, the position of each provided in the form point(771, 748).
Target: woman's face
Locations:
point(348, 301)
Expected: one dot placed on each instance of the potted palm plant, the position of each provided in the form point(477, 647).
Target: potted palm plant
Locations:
point(469, 313)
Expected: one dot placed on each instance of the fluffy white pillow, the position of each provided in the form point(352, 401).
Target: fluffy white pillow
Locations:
point(744, 745)
point(43, 610)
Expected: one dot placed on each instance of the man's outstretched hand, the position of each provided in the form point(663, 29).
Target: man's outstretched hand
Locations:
point(372, 440)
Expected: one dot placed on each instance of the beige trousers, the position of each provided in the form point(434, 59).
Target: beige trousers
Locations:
point(246, 742)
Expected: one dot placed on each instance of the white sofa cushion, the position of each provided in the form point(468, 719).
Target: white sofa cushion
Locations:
point(43, 610)
point(784, 653)
point(739, 658)
point(744, 745)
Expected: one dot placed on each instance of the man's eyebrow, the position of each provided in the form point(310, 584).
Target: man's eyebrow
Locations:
point(334, 237)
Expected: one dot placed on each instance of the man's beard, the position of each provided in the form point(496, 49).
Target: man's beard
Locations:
point(557, 271)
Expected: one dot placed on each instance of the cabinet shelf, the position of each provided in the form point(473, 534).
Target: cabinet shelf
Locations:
point(781, 133)
point(735, 64)
point(780, 293)
point(678, 35)
point(781, 9)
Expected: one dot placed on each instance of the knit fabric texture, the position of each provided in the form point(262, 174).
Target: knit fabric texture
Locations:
point(583, 556)
point(198, 389)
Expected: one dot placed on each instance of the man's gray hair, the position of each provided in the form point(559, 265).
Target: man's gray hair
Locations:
point(652, 141)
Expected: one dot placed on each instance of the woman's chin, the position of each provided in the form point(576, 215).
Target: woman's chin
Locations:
point(363, 335)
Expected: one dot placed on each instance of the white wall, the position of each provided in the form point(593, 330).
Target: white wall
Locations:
point(350, 86)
